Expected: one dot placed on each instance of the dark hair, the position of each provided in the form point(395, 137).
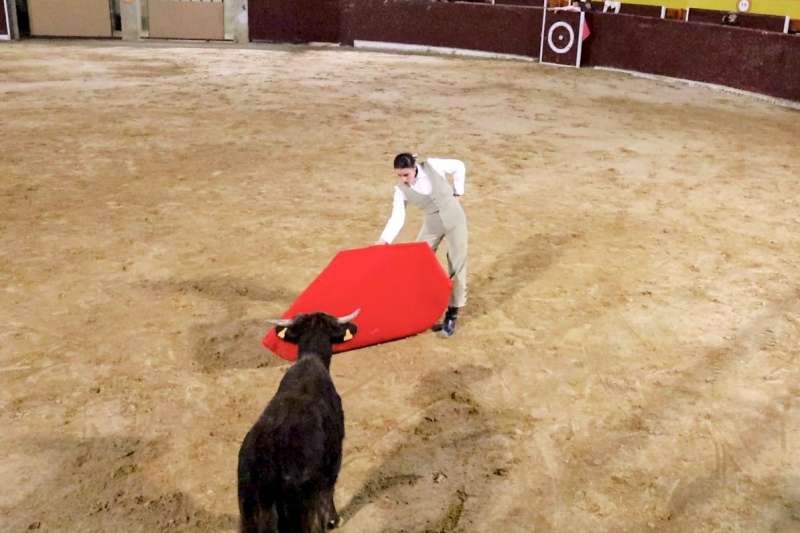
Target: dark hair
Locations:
point(405, 160)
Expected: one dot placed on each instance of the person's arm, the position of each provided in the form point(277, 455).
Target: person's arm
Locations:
point(455, 168)
point(396, 221)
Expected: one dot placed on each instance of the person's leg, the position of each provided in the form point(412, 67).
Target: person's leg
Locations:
point(432, 231)
point(457, 267)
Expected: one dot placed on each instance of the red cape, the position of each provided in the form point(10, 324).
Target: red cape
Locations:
point(401, 290)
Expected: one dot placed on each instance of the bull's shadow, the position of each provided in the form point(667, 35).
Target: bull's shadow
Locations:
point(99, 484)
point(456, 452)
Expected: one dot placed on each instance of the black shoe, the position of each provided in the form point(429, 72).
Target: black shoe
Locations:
point(450, 314)
point(448, 326)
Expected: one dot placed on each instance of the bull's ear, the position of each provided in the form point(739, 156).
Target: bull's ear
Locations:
point(285, 334)
point(347, 333)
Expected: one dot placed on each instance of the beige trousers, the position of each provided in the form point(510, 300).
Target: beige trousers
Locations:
point(433, 231)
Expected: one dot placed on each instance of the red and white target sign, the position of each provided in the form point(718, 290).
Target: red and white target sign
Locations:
point(563, 32)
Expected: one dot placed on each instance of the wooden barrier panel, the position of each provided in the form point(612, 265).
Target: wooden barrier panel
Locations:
point(5, 30)
point(499, 29)
point(295, 21)
point(70, 18)
point(176, 19)
point(321, 20)
point(274, 21)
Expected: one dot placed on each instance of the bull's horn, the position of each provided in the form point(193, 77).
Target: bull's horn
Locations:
point(350, 317)
point(281, 322)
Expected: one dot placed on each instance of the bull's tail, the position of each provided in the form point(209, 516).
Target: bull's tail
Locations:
point(300, 511)
point(257, 510)
point(257, 516)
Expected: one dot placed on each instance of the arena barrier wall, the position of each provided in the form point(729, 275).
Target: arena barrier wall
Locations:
point(741, 58)
point(766, 62)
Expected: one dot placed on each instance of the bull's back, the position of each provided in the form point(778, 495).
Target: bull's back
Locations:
point(300, 428)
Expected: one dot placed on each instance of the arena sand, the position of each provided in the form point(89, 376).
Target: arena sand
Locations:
point(628, 360)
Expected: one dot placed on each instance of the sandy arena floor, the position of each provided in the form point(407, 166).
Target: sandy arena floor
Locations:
point(628, 360)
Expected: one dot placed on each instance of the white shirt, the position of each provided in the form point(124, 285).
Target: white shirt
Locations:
point(423, 186)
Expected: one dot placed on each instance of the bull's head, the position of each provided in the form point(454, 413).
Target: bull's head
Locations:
point(337, 329)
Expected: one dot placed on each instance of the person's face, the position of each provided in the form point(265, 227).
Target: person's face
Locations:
point(407, 175)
